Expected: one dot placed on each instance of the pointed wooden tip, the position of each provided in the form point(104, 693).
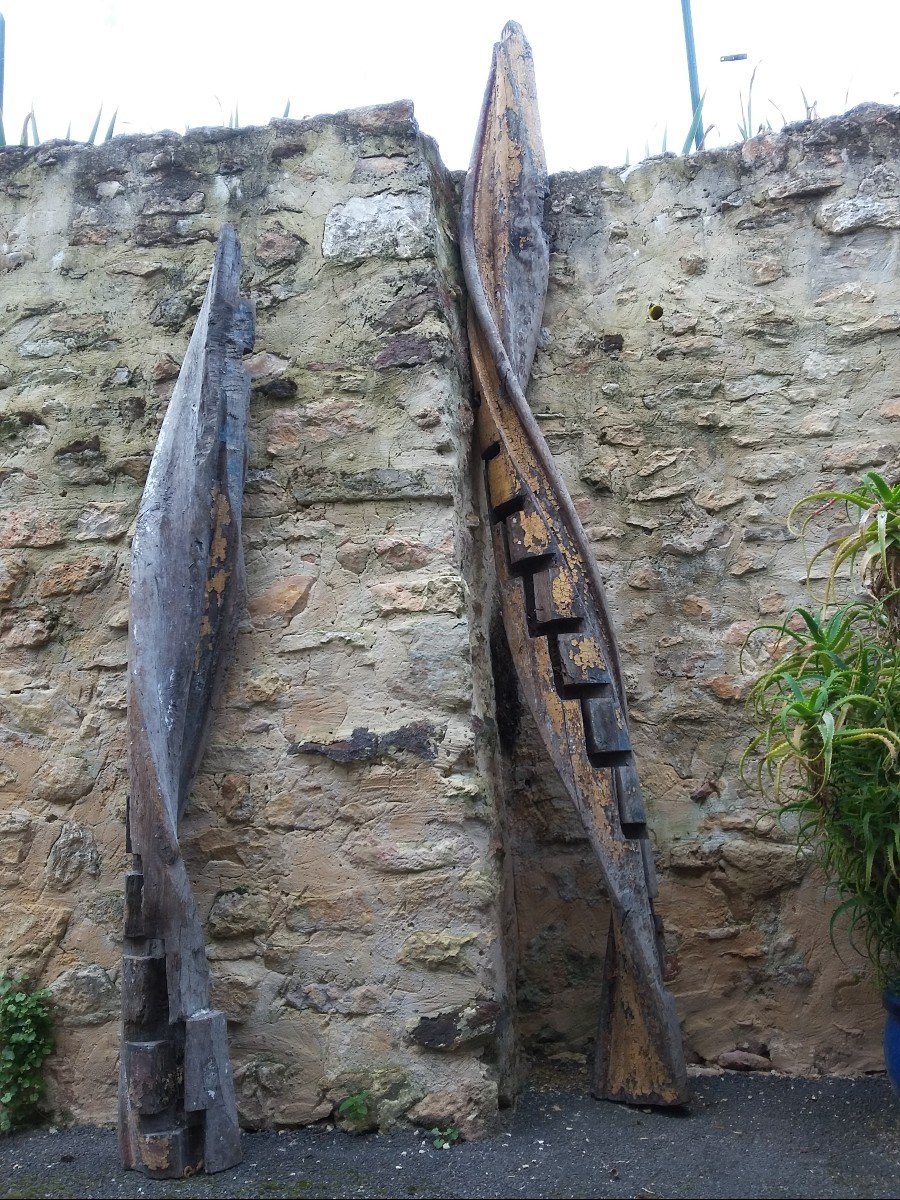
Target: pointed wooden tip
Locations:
point(514, 41)
point(512, 29)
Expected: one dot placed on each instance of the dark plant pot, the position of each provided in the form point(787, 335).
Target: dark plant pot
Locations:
point(892, 1038)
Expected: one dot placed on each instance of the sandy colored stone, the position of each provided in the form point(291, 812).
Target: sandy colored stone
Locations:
point(265, 686)
point(388, 224)
point(40, 710)
point(765, 269)
point(165, 368)
point(470, 1110)
point(353, 556)
point(276, 247)
point(85, 996)
point(78, 575)
point(772, 603)
point(858, 455)
point(363, 1001)
point(643, 577)
point(761, 868)
point(732, 689)
point(104, 522)
point(32, 932)
point(818, 424)
point(696, 608)
point(235, 989)
point(692, 264)
point(13, 569)
point(25, 630)
point(403, 857)
point(282, 599)
point(746, 561)
point(859, 212)
point(238, 914)
point(63, 778)
point(264, 365)
point(16, 835)
point(770, 466)
point(437, 950)
point(403, 554)
point(73, 852)
point(28, 528)
point(437, 594)
point(743, 1060)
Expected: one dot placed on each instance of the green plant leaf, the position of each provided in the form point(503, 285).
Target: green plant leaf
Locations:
point(695, 126)
point(96, 125)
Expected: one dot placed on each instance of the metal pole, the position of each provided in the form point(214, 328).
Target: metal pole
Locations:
point(2, 56)
point(692, 67)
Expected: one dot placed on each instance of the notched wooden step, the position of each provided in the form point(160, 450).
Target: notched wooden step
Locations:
point(628, 794)
point(605, 730)
point(134, 893)
point(487, 439)
point(208, 1086)
point(205, 1050)
point(144, 998)
point(169, 1153)
point(582, 663)
point(556, 599)
point(505, 489)
point(528, 539)
point(151, 1073)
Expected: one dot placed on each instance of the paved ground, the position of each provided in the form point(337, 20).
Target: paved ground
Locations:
point(746, 1135)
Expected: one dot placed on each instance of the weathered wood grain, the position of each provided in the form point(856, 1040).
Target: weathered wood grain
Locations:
point(557, 623)
point(176, 1103)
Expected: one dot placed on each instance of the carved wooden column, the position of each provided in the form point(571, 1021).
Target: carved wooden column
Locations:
point(177, 1111)
point(557, 624)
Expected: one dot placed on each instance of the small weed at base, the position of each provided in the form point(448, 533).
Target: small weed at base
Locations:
point(443, 1139)
point(355, 1107)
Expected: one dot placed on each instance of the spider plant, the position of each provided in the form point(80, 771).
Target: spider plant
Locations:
point(874, 544)
point(827, 712)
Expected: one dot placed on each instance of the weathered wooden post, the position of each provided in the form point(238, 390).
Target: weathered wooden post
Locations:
point(177, 1111)
point(551, 595)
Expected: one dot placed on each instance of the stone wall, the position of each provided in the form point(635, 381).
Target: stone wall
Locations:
point(340, 834)
point(773, 372)
point(397, 892)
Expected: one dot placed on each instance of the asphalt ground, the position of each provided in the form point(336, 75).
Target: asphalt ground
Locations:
point(744, 1135)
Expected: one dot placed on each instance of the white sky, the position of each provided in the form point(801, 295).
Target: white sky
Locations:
point(611, 75)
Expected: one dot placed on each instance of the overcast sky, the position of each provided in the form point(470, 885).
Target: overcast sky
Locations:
point(611, 75)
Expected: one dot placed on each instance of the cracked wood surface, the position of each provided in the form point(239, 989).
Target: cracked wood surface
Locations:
point(177, 1111)
point(557, 624)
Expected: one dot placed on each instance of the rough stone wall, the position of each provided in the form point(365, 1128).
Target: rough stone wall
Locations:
point(773, 372)
point(386, 863)
point(339, 835)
